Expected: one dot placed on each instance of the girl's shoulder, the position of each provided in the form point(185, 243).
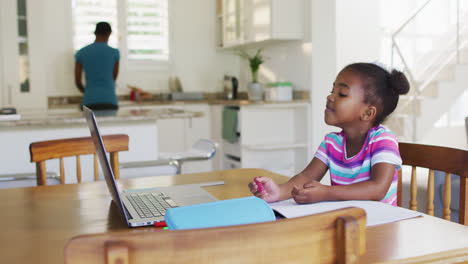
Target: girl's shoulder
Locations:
point(382, 134)
point(381, 130)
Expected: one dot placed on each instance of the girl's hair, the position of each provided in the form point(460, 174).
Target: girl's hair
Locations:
point(381, 88)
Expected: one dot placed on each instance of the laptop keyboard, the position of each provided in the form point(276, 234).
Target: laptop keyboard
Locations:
point(149, 205)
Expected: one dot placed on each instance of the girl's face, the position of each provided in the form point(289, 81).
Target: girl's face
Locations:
point(345, 104)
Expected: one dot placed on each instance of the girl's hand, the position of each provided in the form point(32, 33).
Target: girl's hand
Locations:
point(270, 192)
point(313, 192)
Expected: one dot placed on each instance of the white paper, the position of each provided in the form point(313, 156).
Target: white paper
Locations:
point(377, 212)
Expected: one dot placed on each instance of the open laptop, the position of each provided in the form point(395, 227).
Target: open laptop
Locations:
point(143, 207)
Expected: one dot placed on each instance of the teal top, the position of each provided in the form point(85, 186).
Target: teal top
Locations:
point(98, 60)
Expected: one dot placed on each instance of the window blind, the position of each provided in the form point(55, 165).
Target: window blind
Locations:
point(86, 14)
point(147, 26)
point(148, 29)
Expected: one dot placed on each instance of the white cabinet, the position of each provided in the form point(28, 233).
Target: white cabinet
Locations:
point(171, 133)
point(230, 20)
point(20, 32)
point(250, 21)
point(179, 134)
point(197, 128)
point(274, 137)
point(15, 157)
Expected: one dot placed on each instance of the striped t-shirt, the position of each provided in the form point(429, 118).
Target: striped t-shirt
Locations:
point(381, 145)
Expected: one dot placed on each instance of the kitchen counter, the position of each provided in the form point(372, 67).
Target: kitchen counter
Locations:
point(209, 98)
point(250, 102)
point(71, 115)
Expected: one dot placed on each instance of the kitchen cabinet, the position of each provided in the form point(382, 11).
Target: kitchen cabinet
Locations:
point(274, 137)
point(15, 157)
point(179, 134)
point(21, 87)
point(250, 21)
point(230, 21)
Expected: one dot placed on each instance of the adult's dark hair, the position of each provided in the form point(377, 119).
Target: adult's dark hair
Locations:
point(381, 88)
point(103, 28)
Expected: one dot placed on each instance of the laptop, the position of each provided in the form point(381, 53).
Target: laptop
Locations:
point(144, 207)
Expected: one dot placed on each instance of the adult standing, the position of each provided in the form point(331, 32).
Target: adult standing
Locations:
point(100, 63)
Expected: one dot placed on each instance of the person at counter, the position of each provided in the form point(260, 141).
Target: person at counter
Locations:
point(100, 63)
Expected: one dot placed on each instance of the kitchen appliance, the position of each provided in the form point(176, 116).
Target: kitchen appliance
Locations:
point(231, 85)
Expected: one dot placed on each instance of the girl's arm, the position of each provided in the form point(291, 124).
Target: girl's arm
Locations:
point(313, 172)
point(373, 189)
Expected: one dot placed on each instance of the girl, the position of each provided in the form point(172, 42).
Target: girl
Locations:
point(363, 158)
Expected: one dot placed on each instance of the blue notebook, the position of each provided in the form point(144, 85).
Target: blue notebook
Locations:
point(239, 211)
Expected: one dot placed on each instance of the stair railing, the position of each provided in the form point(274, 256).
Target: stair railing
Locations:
point(409, 72)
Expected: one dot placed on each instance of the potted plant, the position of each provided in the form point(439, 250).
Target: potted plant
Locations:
point(255, 88)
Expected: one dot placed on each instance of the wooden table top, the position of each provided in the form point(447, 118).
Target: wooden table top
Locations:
point(37, 222)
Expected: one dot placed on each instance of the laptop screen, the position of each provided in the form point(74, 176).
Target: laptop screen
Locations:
point(105, 165)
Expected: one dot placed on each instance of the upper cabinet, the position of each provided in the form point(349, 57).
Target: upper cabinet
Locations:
point(250, 21)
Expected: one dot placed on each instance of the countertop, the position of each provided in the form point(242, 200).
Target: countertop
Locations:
point(69, 113)
point(75, 116)
point(169, 103)
point(71, 102)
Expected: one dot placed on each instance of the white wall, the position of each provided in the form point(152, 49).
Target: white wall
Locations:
point(57, 50)
point(285, 61)
point(3, 94)
point(358, 32)
point(455, 137)
point(198, 64)
point(323, 71)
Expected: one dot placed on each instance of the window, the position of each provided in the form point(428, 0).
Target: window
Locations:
point(147, 30)
point(23, 46)
point(140, 28)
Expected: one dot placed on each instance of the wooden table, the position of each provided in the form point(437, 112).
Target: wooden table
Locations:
point(37, 222)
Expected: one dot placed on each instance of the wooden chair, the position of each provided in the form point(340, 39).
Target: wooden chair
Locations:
point(448, 160)
point(333, 237)
point(60, 148)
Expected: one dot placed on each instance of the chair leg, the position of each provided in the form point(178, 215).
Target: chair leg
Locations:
point(78, 169)
point(96, 168)
point(62, 172)
point(41, 173)
point(447, 196)
point(414, 190)
point(463, 217)
point(400, 187)
point(114, 160)
point(430, 193)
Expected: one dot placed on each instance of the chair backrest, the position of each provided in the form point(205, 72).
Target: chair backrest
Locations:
point(333, 237)
point(448, 160)
point(60, 148)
